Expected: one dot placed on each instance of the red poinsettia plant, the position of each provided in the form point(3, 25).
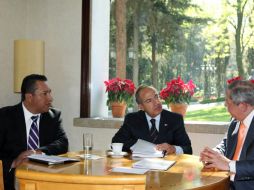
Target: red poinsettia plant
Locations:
point(177, 91)
point(237, 78)
point(119, 90)
point(234, 79)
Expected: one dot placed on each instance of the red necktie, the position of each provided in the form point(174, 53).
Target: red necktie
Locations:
point(240, 138)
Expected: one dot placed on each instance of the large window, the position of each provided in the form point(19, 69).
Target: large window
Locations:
point(154, 41)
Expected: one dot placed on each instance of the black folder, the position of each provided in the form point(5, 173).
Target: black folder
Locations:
point(47, 159)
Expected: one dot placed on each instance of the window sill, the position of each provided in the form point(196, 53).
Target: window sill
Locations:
point(115, 123)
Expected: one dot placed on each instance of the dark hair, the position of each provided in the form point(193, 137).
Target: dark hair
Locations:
point(29, 84)
point(141, 87)
point(242, 91)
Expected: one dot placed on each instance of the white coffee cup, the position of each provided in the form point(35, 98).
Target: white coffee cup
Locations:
point(117, 148)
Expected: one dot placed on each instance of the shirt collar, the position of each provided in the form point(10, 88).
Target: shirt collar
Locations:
point(27, 113)
point(247, 121)
point(157, 118)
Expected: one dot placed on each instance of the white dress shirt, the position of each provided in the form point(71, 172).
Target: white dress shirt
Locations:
point(29, 121)
point(179, 149)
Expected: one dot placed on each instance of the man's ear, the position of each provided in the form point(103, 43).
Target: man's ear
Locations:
point(243, 106)
point(140, 107)
point(28, 97)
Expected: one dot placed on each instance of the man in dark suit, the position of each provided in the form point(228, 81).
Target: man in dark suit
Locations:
point(16, 125)
point(236, 151)
point(170, 132)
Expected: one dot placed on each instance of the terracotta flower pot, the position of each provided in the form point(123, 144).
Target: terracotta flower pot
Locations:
point(118, 109)
point(179, 108)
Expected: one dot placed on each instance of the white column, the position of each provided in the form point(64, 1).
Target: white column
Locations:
point(100, 24)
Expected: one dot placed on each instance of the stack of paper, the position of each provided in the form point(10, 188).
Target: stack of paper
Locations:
point(145, 149)
point(153, 164)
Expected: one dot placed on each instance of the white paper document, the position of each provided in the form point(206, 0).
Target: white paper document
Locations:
point(153, 164)
point(129, 170)
point(146, 149)
point(91, 157)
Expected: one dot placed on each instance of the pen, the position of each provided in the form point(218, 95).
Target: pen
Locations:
point(10, 169)
point(164, 153)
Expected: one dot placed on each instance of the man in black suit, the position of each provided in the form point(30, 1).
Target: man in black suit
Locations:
point(171, 135)
point(236, 151)
point(16, 124)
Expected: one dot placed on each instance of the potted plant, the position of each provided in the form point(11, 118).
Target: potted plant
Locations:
point(229, 81)
point(233, 79)
point(120, 92)
point(177, 94)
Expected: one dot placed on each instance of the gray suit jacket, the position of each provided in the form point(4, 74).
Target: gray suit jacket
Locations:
point(244, 178)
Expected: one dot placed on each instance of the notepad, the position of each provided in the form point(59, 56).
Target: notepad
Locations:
point(46, 159)
point(154, 164)
point(129, 170)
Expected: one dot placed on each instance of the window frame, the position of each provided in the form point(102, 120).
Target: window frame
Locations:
point(85, 91)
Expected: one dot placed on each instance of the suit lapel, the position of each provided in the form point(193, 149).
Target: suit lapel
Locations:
point(248, 140)
point(163, 125)
point(43, 128)
point(144, 126)
point(232, 139)
point(20, 120)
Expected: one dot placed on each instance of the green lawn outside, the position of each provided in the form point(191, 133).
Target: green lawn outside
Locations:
point(216, 113)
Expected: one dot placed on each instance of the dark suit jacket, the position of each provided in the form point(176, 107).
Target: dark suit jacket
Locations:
point(171, 131)
point(13, 138)
point(244, 178)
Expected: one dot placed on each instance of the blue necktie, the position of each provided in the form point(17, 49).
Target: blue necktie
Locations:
point(153, 131)
point(33, 139)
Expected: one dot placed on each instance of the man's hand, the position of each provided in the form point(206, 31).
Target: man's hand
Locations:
point(170, 149)
point(213, 159)
point(23, 157)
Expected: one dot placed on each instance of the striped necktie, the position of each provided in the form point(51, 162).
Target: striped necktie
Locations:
point(153, 131)
point(33, 139)
point(240, 140)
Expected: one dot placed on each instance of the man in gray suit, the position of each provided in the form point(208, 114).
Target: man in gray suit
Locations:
point(21, 135)
point(236, 151)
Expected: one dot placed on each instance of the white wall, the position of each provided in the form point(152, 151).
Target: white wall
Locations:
point(12, 26)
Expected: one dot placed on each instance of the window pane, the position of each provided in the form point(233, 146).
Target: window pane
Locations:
point(199, 40)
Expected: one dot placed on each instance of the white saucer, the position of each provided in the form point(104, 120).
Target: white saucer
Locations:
point(113, 155)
